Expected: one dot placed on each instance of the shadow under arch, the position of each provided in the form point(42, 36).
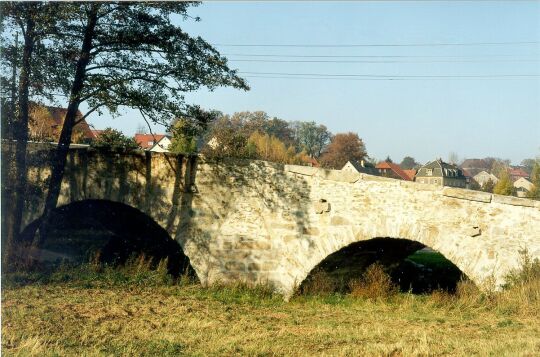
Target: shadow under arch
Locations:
point(412, 266)
point(116, 230)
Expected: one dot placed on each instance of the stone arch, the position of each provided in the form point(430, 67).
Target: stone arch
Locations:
point(454, 246)
point(132, 231)
point(350, 262)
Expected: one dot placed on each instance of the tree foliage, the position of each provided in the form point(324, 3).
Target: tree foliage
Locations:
point(488, 186)
point(408, 163)
point(113, 139)
point(114, 54)
point(270, 148)
point(312, 138)
point(535, 179)
point(504, 186)
point(343, 147)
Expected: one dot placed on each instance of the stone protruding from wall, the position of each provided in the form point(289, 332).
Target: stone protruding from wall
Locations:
point(267, 223)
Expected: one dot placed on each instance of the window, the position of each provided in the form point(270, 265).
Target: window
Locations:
point(150, 143)
point(429, 172)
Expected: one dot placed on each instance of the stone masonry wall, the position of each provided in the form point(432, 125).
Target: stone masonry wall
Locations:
point(267, 223)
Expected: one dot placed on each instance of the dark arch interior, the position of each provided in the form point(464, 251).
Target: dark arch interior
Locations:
point(411, 265)
point(81, 229)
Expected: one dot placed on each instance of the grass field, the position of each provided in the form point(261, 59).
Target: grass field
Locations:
point(91, 312)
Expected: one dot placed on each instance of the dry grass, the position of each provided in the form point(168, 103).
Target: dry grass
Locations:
point(109, 313)
point(374, 284)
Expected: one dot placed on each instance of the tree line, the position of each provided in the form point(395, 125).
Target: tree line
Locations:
point(256, 135)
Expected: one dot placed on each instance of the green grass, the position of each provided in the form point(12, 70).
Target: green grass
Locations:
point(96, 310)
point(431, 259)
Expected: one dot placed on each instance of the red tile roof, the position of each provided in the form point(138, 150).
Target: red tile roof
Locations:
point(395, 168)
point(517, 172)
point(96, 133)
point(146, 141)
point(411, 173)
point(58, 115)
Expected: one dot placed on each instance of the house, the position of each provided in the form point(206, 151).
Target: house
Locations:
point(517, 173)
point(96, 133)
point(483, 176)
point(162, 145)
point(148, 141)
point(389, 169)
point(45, 124)
point(360, 167)
point(438, 172)
point(411, 173)
point(475, 166)
point(523, 187)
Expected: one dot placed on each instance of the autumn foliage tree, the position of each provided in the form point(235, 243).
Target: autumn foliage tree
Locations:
point(342, 148)
point(504, 186)
point(270, 148)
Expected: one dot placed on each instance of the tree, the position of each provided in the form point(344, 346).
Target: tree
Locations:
point(343, 147)
point(186, 133)
point(453, 158)
point(33, 21)
point(388, 159)
point(408, 163)
point(113, 139)
point(142, 129)
point(270, 148)
point(313, 138)
point(505, 185)
point(129, 54)
point(535, 179)
point(528, 164)
point(499, 167)
point(488, 186)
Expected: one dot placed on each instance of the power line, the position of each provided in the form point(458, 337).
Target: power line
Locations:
point(370, 56)
point(380, 79)
point(382, 45)
point(384, 61)
point(390, 76)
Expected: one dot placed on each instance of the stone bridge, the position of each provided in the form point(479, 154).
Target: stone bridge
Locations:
point(262, 222)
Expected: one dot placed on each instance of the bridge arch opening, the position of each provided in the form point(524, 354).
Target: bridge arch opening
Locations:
point(411, 266)
point(112, 230)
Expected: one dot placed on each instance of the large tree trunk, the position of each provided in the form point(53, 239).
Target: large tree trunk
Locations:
point(60, 157)
point(20, 133)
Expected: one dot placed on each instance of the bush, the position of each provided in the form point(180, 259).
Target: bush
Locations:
point(528, 272)
point(375, 283)
point(318, 283)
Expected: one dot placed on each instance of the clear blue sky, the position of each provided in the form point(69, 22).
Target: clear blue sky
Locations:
point(424, 117)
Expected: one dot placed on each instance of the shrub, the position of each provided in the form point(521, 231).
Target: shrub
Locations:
point(375, 283)
point(318, 283)
point(529, 271)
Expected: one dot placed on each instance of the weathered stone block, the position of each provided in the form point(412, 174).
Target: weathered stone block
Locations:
point(235, 266)
point(253, 244)
point(312, 231)
point(302, 170)
point(321, 206)
point(474, 231)
point(514, 201)
point(338, 175)
point(339, 221)
point(467, 194)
